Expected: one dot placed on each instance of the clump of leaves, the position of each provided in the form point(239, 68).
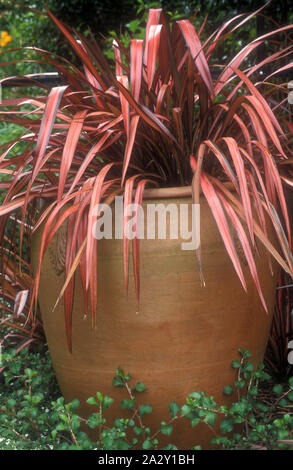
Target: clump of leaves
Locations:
point(168, 115)
point(35, 416)
point(251, 422)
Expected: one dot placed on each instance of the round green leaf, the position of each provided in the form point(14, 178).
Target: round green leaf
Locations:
point(145, 409)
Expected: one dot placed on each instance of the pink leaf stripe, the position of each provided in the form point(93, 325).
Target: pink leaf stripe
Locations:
point(197, 53)
point(246, 247)
point(135, 242)
point(136, 56)
point(240, 170)
point(48, 120)
point(72, 139)
point(153, 48)
point(129, 145)
point(221, 221)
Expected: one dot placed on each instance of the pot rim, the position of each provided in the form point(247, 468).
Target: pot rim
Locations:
point(173, 192)
point(167, 193)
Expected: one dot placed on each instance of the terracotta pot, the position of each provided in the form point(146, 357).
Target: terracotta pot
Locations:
point(182, 340)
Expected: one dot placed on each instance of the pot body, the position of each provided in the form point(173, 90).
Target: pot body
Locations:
point(182, 340)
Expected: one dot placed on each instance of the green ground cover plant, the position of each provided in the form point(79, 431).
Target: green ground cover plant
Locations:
point(35, 416)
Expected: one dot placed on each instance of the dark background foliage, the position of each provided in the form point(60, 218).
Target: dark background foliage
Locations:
point(102, 16)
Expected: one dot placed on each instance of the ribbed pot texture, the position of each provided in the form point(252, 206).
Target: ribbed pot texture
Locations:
point(184, 337)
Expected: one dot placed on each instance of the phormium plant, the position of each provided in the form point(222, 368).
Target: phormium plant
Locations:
point(168, 114)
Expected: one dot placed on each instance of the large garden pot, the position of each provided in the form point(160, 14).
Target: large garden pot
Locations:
point(183, 338)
